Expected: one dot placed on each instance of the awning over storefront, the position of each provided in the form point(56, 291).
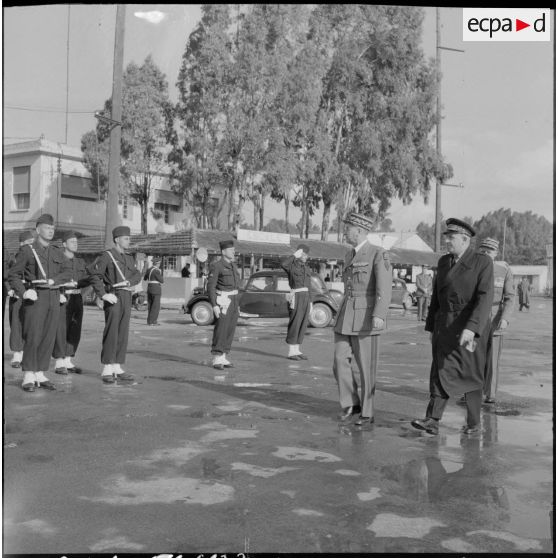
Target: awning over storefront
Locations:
point(413, 257)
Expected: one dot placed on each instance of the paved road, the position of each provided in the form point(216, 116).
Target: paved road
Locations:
point(190, 459)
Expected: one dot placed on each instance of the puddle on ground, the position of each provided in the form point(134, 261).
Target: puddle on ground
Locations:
point(38, 526)
point(520, 543)
point(372, 494)
point(303, 454)
point(347, 473)
point(308, 513)
point(264, 472)
point(110, 544)
point(392, 525)
point(178, 456)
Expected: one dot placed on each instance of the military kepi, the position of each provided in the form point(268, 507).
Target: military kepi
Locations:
point(359, 220)
point(490, 244)
point(458, 226)
point(45, 219)
point(120, 231)
point(25, 235)
point(304, 248)
point(68, 234)
point(224, 244)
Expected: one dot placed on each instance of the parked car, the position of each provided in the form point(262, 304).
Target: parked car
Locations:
point(400, 295)
point(264, 296)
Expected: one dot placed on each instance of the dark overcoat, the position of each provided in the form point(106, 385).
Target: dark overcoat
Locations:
point(461, 299)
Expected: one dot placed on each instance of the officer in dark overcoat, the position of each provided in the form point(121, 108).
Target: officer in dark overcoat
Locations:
point(222, 287)
point(36, 276)
point(68, 334)
point(361, 320)
point(299, 275)
point(154, 278)
point(117, 274)
point(459, 322)
point(15, 309)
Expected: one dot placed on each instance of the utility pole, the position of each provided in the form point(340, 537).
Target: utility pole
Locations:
point(504, 241)
point(112, 218)
point(67, 74)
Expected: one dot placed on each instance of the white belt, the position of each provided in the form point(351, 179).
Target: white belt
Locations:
point(72, 291)
point(154, 282)
point(299, 290)
point(124, 289)
point(227, 293)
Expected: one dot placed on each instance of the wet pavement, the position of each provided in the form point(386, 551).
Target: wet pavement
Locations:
point(252, 459)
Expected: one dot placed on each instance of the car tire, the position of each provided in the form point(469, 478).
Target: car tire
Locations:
point(407, 302)
point(202, 313)
point(321, 315)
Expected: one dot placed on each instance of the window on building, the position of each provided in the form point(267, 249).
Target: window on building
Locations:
point(77, 187)
point(169, 263)
point(21, 187)
point(123, 201)
point(165, 210)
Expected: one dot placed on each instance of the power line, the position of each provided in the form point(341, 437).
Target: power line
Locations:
point(35, 109)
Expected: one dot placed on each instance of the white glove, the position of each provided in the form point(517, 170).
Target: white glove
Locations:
point(30, 294)
point(50, 282)
point(217, 311)
point(11, 293)
point(377, 323)
point(110, 298)
point(63, 298)
point(71, 284)
point(298, 253)
point(503, 324)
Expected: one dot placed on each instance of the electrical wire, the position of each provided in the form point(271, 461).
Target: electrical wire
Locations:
point(35, 109)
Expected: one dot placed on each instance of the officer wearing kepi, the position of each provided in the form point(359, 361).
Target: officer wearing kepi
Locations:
point(222, 287)
point(15, 309)
point(361, 320)
point(299, 275)
point(154, 278)
point(35, 277)
point(117, 274)
point(68, 334)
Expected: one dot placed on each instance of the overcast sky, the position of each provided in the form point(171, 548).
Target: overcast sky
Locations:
point(497, 98)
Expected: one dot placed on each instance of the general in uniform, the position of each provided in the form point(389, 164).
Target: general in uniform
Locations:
point(154, 278)
point(15, 309)
point(35, 277)
point(117, 274)
point(502, 308)
point(299, 275)
point(68, 334)
point(459, 321)
point(222, 287)
point(424, 293)
point(360, 320)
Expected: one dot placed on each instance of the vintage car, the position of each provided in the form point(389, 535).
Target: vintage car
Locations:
point(265, 296)
point(400, 294)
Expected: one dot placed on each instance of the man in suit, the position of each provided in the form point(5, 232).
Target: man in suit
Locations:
point(223, 283)
point(524, 291)
point(154, 278)
point(459, 323)
point(116, 273)
point(299, 275)
point(424, 293)
point(360, 320)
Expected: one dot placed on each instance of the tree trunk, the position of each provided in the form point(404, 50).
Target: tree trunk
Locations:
point(287, 207)
point(262, 200)
point(339, 226)
point(256, 214)
point(144, 217)
point(325, 219)
point(304, 211)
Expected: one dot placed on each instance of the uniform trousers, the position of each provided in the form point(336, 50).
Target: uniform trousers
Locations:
point(298, 318)
point(15, 310)
point(40, 322)
point(153, 304)
point(223, 333)
point(117, 326)
point(68, 334)
point(492, 368)
point(366, 350)
point(423, 303)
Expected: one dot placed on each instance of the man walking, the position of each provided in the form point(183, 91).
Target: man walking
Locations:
point(116, 274)
point(502, 307)
point(68, 334)
point(459, 322)
point(299, 275)
point(35, 278)
point(15, 310)
point(524, 290)
point(222, 287)
point(360, 320)
point(154, 278)
point(424, 293)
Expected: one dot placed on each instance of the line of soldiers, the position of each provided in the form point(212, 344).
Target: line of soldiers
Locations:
point(46, 306)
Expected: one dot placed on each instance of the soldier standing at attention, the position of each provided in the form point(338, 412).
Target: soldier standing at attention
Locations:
point(154, 278)
point(299, 275)
point(15, 310)
point(117, 274)
point(361, 319)
point(459, 323)
point(68, 334)
point(35, 278)
point(424, 293)
point(502, 307)
point(222, 287)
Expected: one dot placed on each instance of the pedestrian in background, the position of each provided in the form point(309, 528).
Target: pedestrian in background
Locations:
point(524, 291)
point(299, 275)
point(35, 277)
point(15, 310)
point(424, 293)
point(116, 274)
point(360, 320)
point(459, 322)
point(154, 278)
point(222, 287)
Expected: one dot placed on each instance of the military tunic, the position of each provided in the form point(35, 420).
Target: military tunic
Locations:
point(117, 316)
point(154, 279)
point(299, 275)
point(40, 317)
point(367, 280)
point(223, 277)
point(15, 315)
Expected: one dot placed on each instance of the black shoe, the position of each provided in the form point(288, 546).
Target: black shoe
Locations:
point(28, 387)
point(228, 365)
point(489, 400)
point(47, 385)
point(61, 370)
point(219, 366)
point(294, 357)
point(15, 364)
point(74, 370)
point(429, 425)
point(125, 377)
point(462, 401)
point(302, 357)
point(348, 412)
point(470, 429)
point(363, 421)
point(108, 379)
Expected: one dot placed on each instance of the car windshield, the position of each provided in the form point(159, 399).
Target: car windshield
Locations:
point(258, 284)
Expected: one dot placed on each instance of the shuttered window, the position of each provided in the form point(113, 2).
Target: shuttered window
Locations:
point(21, 186)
